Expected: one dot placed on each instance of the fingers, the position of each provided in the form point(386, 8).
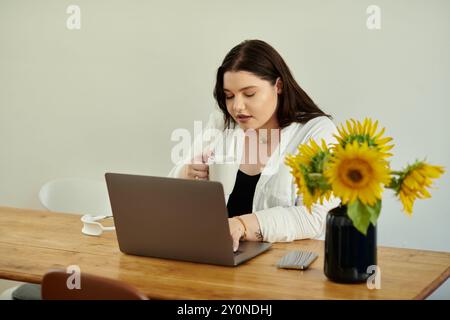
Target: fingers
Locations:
point(197, 174)
point(236, 232)
point(200, 174)
point(235, 242)
point(200, 167)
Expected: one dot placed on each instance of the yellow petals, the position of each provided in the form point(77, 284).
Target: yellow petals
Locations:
point(365, 132)
point(416, 179)
point(304, 164)
point(356, 169)
point(357, 172)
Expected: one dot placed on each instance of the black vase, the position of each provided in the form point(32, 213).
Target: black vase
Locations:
point(348, 253)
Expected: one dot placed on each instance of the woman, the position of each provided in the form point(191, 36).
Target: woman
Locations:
point(256, 93)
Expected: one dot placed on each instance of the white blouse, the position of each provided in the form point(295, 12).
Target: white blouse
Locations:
point(279, 210)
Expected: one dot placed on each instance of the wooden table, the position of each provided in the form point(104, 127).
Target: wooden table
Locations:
point(32, 242)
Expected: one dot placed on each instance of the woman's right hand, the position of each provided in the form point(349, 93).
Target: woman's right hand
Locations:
point(198, 169)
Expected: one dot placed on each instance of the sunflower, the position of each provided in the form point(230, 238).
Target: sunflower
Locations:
point(413, 182)
point(311, 153)
point(357, 171)
point(364, 132)
point(308, 197)
point(307, 168)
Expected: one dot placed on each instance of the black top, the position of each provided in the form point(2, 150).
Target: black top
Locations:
point(241, 199)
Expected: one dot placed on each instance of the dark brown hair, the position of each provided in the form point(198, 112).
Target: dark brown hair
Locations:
point(259, 58)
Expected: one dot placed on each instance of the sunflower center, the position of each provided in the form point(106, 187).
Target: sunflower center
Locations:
point(354, 175)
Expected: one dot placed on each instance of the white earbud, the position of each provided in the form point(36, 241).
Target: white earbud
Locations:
point(93, 228)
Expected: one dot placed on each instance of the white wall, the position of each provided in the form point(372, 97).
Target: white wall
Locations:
point(107, 97)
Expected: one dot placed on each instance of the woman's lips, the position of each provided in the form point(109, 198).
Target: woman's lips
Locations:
point(243, 118)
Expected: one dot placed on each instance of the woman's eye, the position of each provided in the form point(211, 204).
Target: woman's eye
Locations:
point(247, 95)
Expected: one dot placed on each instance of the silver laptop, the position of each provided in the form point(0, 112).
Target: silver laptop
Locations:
point(175, 219)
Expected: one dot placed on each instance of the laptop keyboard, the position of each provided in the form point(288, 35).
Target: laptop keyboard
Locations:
point(238, 252)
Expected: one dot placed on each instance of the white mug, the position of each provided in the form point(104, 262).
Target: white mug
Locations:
point(223, 169)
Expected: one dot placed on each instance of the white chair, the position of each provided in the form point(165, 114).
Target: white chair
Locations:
point(7, 294)
point(75, 195)
point(72, 195)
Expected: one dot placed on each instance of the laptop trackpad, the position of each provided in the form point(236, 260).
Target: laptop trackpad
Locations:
point(249, 249)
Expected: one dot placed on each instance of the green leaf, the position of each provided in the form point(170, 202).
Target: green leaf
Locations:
point(374, 212)
point(360, 216)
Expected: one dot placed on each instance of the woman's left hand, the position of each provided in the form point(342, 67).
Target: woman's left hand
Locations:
point(236, 231)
